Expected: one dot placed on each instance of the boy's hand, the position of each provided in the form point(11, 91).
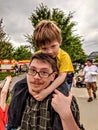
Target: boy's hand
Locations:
point(41, 95)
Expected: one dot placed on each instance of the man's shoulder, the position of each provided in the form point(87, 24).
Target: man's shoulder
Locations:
point(76, 112)
point(20, 84)
point(86, 67)
point(22, 81)
point(94, 66)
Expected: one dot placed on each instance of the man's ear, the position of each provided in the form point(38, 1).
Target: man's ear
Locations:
point(53, 75)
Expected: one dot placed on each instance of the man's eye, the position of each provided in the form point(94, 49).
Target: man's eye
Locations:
point(32, 70)
point(44, 73)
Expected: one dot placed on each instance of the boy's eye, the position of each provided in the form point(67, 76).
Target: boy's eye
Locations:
point(44, 49)
point(53, 46)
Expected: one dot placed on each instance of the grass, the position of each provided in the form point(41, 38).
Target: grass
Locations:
point(9, 98)
point(4, 74)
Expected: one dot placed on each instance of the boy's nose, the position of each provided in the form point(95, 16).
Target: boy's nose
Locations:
point(50, 51)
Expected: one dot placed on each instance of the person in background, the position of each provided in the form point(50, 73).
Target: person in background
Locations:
point(28, 113)
point(47, 37)
point(77, 68)
point(90, 77)
point(4, 89)
point(16, 69)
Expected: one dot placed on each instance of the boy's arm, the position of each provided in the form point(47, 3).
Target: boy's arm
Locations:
point(57, 82)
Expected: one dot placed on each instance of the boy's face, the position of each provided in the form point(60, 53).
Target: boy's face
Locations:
point(50, 48)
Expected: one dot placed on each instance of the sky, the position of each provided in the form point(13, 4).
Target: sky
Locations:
point(16, 14)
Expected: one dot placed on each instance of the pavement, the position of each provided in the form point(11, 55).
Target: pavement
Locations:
point(88, 110)
point(16, 79)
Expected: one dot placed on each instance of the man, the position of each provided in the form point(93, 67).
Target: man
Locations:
point(28, 113)
point(90, 73)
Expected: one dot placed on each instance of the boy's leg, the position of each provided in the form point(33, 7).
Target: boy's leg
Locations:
point(63, 88)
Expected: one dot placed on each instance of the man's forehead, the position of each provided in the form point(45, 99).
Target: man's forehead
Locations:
point(40, 64)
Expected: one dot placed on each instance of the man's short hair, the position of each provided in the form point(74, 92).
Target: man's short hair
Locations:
point(45, 32)
point(45, 58)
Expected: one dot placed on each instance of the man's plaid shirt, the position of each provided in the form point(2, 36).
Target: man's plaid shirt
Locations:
point(37, 115)
point(40, 115)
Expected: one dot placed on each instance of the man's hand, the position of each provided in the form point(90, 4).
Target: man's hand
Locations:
point(61, 103)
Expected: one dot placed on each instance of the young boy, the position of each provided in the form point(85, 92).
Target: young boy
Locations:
point(47, 37)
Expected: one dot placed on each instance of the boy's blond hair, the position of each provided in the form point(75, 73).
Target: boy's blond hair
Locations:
point(45, 32)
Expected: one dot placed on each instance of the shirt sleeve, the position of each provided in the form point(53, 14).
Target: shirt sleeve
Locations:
point(66, 64)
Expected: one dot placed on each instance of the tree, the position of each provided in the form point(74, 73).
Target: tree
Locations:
point(3, 36)
point(22, 53)
point(6, 48)
point(70, 42)
point(96, 58)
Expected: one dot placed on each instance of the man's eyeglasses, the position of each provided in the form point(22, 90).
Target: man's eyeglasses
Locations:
point(41, 74)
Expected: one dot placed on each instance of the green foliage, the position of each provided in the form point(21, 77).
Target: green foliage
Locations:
point(70, 43)
point(6, 50)
point(75, 50)
point(22, 53)
point(9, 98)
point(96, 59)
point(3, 75)
point(41, 12)
point(2, 33)
point(29, 39)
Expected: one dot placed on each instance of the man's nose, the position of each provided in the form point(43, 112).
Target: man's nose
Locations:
point(37, 76)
